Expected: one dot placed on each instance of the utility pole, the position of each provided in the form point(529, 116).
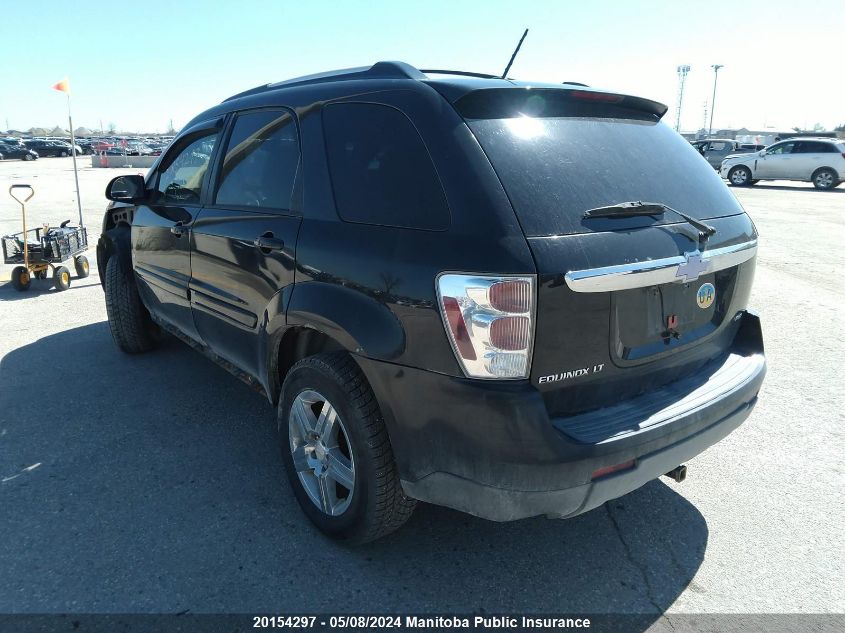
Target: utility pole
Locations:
point(682, 78)
point(715, 68)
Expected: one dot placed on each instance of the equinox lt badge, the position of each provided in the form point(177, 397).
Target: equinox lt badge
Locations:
point(575, 373)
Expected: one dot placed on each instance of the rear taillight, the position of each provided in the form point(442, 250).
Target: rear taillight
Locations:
point(490, 322)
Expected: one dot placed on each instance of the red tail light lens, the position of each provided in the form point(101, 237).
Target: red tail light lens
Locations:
point(510, 333)
point(511, 296)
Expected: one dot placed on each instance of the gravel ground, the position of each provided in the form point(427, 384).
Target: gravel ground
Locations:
point(153, 483)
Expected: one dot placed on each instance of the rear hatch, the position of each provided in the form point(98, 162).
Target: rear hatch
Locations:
point(625, 304)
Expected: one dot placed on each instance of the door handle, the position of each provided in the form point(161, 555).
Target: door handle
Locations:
point(268, 243)
point(179, 229)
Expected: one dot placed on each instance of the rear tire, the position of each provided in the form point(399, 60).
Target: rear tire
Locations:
point(82, 266)
point(740, 176)
point(375, 504)
point(131, 326)
point(61, 277)
point(825, 179)
point(21, 278)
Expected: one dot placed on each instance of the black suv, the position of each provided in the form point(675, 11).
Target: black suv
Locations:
point(510, 299)
point(17, 150)
point(51, 148)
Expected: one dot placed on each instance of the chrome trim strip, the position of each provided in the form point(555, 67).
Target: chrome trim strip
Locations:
point(682, 268)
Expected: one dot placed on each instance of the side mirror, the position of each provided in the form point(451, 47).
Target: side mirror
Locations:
point(762, 152)
point(126, 189)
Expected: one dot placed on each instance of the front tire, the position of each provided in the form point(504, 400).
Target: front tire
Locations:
point(825, 179)
point(131, 326)
point(740, 176)
point(21, 278)
point(336, 451)
point(82, 266)
point(27, 157)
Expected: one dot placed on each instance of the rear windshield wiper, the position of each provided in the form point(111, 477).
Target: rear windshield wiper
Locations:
point(631, 209)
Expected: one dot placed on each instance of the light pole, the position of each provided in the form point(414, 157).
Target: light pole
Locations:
point(715, 68)
point(682, 77)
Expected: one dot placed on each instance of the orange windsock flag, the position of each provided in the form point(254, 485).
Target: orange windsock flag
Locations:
point(63, 86)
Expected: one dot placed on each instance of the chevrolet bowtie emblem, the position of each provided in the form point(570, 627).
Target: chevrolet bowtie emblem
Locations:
point(692, 267)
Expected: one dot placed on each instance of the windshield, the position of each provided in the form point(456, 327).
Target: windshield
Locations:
point(556, 168)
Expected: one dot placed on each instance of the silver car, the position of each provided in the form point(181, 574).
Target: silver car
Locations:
point(817, 160)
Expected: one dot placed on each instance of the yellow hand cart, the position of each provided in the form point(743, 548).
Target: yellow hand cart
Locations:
point(38, 250)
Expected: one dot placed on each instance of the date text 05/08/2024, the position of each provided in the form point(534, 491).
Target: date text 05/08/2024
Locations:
point(421, 622)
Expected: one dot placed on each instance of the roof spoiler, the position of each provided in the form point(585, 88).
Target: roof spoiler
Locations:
point(566, 100)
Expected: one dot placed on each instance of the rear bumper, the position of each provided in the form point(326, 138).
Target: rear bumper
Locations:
point(500, 504)
point(491, 450)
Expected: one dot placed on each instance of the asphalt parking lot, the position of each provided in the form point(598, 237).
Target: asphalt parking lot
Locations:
point(153, 483)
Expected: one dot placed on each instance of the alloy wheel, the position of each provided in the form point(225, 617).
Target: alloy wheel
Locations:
point(322, 454)
point(739, 177)
point(824, 180)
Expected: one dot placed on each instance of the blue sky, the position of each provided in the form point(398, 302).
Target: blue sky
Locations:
point(139, 65)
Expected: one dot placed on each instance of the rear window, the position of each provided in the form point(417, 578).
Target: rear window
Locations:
point(814, 147)
point(554, 168)
point(380, 168)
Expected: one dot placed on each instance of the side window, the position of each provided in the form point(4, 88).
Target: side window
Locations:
point(380, 168)
point(814, 147)
point(717, 146)
point(261, 159)
point(180, 178)
point(783, 148)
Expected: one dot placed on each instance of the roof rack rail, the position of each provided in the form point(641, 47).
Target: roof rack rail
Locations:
point(379, 70)
point(463, 73)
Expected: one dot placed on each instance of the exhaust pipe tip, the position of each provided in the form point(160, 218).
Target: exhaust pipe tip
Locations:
point(679, 473)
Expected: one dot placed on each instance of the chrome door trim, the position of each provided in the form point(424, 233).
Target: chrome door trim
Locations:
point(681, 268)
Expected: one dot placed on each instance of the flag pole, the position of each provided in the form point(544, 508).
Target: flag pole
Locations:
point(73, 153)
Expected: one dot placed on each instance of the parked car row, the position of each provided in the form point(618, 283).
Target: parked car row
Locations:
point(41, 147)
point(129, 146)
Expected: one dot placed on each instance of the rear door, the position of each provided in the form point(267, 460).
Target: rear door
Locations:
point(625, 304)
point(810, 155)
point(244, 241)
point(161, 229)
point(777, 162)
